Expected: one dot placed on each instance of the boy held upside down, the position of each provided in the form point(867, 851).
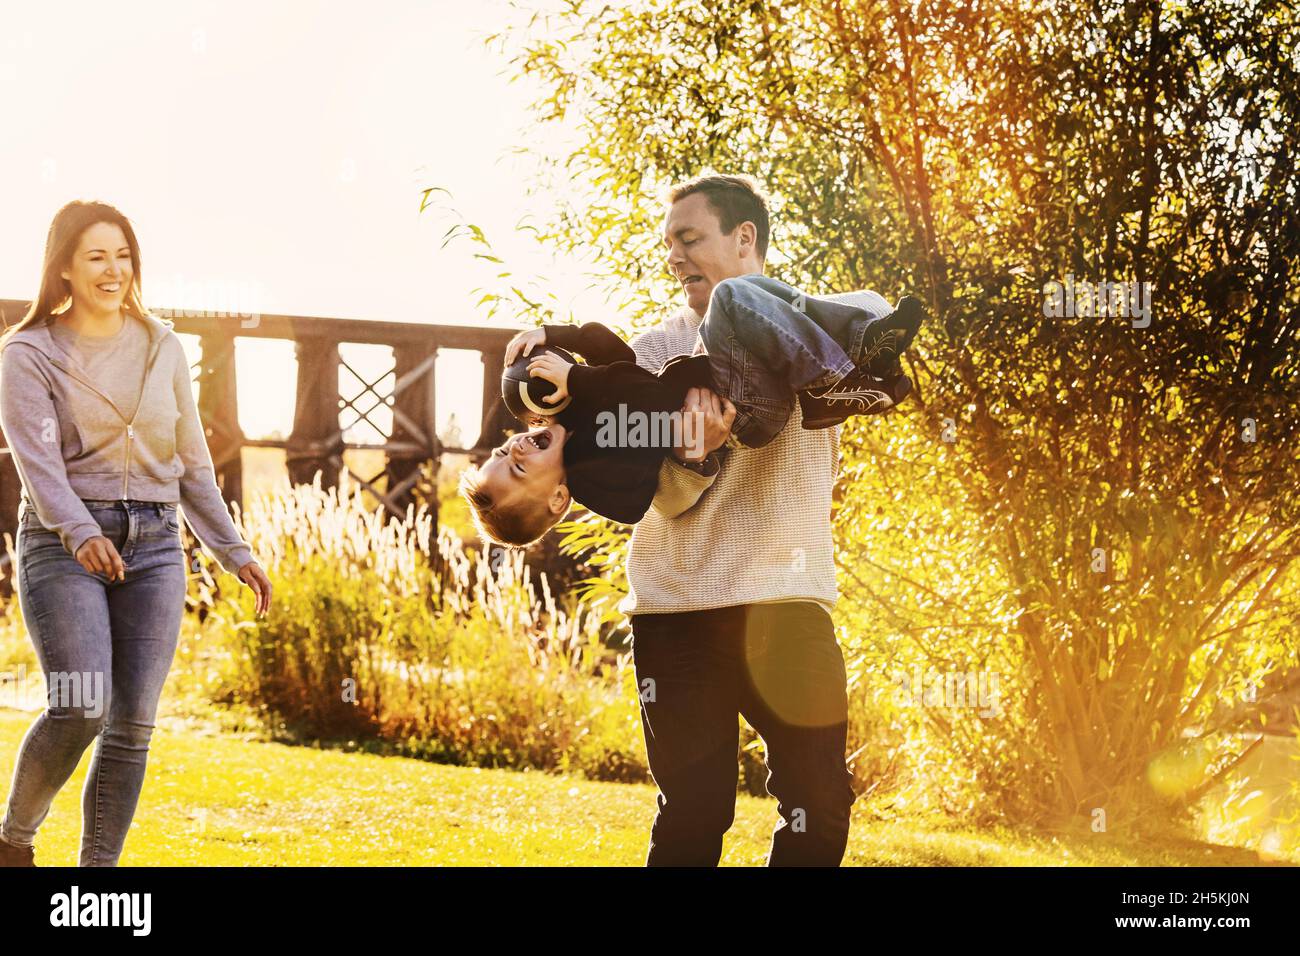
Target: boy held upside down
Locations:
point(766, 342)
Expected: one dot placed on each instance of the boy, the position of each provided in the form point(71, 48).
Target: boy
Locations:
point(765, 342)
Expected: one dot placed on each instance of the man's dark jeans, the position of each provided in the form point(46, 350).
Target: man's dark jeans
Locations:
point(780, 666)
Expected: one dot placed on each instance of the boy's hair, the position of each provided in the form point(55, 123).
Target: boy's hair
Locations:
point(515, 527)
point(735, 199)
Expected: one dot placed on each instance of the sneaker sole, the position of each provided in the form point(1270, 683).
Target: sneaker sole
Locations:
point(903, 324)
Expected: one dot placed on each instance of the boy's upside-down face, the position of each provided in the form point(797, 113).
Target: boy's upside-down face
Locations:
point(529, 467)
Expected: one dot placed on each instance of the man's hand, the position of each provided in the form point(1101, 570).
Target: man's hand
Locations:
point(98, 556)
point(555, 370)
point(524, 342)
point(707, 419)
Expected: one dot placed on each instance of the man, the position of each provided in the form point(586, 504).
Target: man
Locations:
point(732, 582)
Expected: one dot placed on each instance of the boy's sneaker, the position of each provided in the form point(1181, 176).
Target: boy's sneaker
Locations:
point(11, 855)
point(858, 393)
point(889, 337)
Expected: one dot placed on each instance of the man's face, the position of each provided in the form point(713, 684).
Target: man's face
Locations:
point(700, 255)
point(527, 466)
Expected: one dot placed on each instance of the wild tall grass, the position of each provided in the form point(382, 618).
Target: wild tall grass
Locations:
point(382, 630)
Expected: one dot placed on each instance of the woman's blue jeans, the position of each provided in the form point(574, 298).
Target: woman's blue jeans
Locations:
point(767, 340)
point(105, 649)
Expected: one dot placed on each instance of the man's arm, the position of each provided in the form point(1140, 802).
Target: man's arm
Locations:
point(690, 470)
point(680, 486)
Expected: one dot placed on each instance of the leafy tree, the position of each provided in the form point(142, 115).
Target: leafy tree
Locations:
point(1098, 511)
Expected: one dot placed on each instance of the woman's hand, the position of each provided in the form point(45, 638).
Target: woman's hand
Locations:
point(555, 370)
point(98, 556)
point(524, 342)
point(253, 575)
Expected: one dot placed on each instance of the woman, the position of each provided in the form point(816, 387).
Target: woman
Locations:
point(97, 408)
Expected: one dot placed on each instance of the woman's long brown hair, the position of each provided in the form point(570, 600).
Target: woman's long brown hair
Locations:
point(60, 245)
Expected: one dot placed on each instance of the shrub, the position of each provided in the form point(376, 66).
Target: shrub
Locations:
point(381, 633)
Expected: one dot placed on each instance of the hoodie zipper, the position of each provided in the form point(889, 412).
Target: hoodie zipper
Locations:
point(130, 430)
point(126, 469)
point(130, 426)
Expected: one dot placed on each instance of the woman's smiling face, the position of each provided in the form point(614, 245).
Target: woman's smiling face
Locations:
point(101, 270)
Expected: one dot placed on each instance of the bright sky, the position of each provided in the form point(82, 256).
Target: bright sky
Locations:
point(272, 156)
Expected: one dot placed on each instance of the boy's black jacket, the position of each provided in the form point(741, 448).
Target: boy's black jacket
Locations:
point(615, 480)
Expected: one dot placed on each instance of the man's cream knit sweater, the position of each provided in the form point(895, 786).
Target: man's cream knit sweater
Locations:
point(759, 531)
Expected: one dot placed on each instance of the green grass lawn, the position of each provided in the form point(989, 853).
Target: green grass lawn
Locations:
point(219, 799)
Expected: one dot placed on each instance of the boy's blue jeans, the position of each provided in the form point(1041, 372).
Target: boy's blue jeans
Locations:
point(767, 340)
point(105, 650)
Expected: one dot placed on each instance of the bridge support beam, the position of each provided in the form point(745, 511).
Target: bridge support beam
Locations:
point(219, 409)
point(415, 420)
point(316, 442)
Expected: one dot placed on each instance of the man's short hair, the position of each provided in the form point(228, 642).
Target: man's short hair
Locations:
point(510, 527)
point(735, 199)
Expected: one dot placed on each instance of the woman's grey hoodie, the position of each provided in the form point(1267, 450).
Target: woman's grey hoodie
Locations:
point(70, 442)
